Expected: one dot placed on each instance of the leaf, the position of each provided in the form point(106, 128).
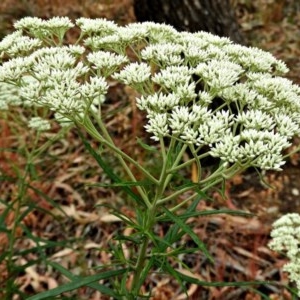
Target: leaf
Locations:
point(78, 282)
point(146, 146)
point(32, 171)
point(195, 280)
point(263, 180)
point(120, 216)
point(187, 215)
point(174, 233)
point(127, 238)
point(121, 184)
point(189, 231)
point(170, 270)
point(47, 199)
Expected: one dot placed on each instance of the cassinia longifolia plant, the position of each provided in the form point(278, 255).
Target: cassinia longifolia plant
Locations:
point(200, 92)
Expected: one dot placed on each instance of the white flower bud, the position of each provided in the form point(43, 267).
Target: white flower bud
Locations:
point(39, 124)
point(134, 73)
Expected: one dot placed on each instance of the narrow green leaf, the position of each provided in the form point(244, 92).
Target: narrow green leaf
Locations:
point(179, 250)
point(76, 283)
point(170, 270)
point(121, 237)
point(124, 219)
point(186, 215)
point(189, 231)
point(43, 243)
point(97, 286)
point(118, 214)
point(163, 244)
point(118, 253)
point(218, 283)
point(48, 199)
point(121, 184)
point(292, 290)
point(175, 233)
point(32, 171)
point(263, 180)
point(5, 213)
point(146, 146)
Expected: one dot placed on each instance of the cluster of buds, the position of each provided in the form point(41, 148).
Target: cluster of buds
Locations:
point(286, 238)
point(196, 88)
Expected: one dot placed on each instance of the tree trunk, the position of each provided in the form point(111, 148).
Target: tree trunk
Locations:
point(215, 16)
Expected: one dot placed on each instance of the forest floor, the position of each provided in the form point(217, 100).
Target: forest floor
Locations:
point(238, 244)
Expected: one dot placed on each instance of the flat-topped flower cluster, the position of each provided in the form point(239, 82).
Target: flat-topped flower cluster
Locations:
point(196, 88)
point(286, 238)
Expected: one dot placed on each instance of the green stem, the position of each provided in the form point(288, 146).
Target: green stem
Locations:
point(175, 208)
point(206, 183)
point(292, 152)
point(175, 163)
point(176, 194)
point(136, 284)
point(187, 163)
point(90, 128)
point(222, 172)
point(22, 187)
point(149, 222)
point(193, 196)
point(107, 141)
point(121, 156)
point(50, 141)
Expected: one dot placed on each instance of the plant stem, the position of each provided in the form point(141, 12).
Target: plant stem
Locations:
point(136, 284)
point(176, 162)
point(17, 206)
point(90, 128)
point(107, 140)
point(150, 217)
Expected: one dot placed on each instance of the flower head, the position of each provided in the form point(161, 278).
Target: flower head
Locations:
point(39, 28)
point(134, 73)
point(9, 96)
point(196, 88)
point(96, 26)
point(286, 238)
point(39, 124)
point(106, 62)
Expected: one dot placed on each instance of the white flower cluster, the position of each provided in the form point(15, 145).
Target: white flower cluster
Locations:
point(39, 124)
point(106, 63)
point(286, 237)
point(15, 44)
point(96, 26)
point(197, 88)
point(51, 77)
point(134, 73)
point(54, 27)
point(9, 96)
